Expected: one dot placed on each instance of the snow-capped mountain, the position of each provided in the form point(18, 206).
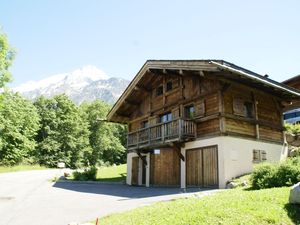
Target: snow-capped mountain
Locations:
point(85, 84)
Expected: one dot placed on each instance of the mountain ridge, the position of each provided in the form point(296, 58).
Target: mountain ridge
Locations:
point(85, 84)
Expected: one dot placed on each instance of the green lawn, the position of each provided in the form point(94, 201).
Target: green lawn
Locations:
point(6, 169)
point(112, 173)
point(237, 206)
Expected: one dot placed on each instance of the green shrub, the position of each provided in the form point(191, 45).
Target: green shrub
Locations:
point(292, 128)
point(268, 175)
point(87, 174)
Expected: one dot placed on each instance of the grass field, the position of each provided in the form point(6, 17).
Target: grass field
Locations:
point(109, 174)
point(6, 169)
point(112, 173)
point(237, 206)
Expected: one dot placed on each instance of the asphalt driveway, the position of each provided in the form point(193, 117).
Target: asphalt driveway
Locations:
point(30, 198)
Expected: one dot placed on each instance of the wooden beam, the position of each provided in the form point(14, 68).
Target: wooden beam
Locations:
point(201, 73)
point(130, 102)
point(141, 157)
point(142, 88)
point(123, 115)
point(177, 147)
point(225, 87)
point(221, 111)
point(255, 102)
point(170, 72)
point(253, 121)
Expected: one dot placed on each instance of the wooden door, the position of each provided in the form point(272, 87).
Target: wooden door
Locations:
point(202, 167)
point(135, 171)
point(210, 166)
point(194, 171)
point(165, 168)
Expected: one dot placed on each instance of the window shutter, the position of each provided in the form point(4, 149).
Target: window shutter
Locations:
point(200, 108)
point(238, 107)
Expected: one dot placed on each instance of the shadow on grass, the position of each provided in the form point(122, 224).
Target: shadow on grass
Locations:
point(293, 212)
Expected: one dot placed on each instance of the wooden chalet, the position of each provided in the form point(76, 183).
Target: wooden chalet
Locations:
point(200, 122)
point(293, 82)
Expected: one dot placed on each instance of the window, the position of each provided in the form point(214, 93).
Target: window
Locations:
point(259, 155)
point(159, 90)
point(167, 132)
point(243, 108)
point(189, 112)
point(144, 124)
point(248, 109)
point(166, 117)
point(169, 86)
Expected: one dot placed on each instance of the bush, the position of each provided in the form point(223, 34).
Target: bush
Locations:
point(268, 175)
point(87, 174)
point(292, 128)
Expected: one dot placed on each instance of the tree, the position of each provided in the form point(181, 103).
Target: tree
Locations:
point(6, 57)
point(19, 123)
point(63, 136)
point(107, 140)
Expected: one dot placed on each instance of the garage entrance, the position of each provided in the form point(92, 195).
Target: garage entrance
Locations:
point(202, 167)
point(165, 168)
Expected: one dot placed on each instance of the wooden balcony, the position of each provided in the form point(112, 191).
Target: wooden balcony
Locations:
point(178, 130)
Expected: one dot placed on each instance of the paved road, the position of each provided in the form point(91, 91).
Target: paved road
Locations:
point(30, 198)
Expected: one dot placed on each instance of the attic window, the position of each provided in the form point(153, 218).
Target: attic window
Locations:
point(159, 90)
point(169, 86)
point(243, 108)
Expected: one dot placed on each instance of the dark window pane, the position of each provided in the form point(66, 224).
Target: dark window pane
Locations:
point(169, 86)
point(166, 117)
point(159, 91)
point(189, 112)
point(249, 109)
point(144, 124)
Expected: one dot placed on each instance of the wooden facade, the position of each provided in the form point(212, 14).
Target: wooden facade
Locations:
point(173, 102)
point(219, 109)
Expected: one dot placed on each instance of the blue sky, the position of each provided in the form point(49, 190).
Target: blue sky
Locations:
point(58, 36)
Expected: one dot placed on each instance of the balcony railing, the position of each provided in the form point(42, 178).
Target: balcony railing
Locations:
point(175, 130)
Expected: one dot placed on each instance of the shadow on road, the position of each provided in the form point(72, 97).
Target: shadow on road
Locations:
point(122, 190)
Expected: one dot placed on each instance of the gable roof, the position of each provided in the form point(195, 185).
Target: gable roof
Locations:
point(205, 65)
point(292, 79)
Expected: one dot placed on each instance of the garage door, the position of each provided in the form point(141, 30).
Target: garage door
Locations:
point(165, 168)
point(202, 167)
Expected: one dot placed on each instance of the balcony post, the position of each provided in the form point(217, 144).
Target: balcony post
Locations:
point(162, 132)
point(137, 138)
point(179, 128)
point(149, 135)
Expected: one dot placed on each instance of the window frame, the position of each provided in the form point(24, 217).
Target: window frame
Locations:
point(187, 113)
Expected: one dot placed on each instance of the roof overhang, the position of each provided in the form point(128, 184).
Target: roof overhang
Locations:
point(201, 65)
